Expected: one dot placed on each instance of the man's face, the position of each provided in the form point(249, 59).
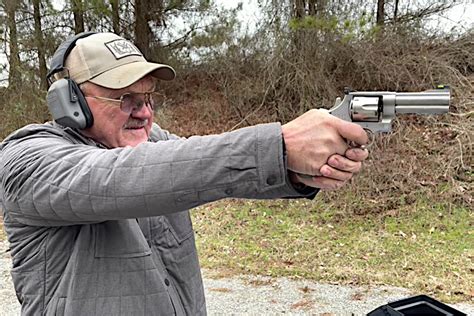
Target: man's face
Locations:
point(112, 126)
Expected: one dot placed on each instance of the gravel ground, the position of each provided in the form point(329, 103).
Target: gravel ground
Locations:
point(256, 295)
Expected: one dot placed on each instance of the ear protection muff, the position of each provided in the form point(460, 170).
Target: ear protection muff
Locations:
point(66, 102)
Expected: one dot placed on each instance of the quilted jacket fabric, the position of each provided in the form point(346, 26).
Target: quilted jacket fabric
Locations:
point(97, 231)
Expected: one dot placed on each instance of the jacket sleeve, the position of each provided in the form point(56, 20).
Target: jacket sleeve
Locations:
point(48, 181)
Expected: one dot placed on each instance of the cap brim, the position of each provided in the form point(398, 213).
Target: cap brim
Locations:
point(125, 75)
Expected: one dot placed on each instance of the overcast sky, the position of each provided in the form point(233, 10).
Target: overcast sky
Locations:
point(461, 15)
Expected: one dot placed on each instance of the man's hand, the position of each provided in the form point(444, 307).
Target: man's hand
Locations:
point(336, 172)
point(318, 152)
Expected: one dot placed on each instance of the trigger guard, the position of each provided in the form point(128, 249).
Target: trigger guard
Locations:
point(371, 136)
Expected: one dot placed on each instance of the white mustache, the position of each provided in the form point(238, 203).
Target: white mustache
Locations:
point(136, 123)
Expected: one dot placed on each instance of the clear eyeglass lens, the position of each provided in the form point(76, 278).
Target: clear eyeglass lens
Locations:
point(129, 103)
point(157, 100)
point(135, 101)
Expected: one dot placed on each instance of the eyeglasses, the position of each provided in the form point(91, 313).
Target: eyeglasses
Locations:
point(134, 101)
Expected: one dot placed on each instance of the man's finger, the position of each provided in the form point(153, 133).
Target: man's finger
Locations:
point(352, 132)
point(327, 184)
point(336, 174)
point(357, 154)
point(344, 164)
point(319, 182)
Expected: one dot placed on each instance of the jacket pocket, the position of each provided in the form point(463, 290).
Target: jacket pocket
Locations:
point(120, 239)
point(60, 307)
point(173, 237)
point(180, 225)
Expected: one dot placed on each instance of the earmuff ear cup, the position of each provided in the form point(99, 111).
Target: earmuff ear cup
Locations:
point(86, 111)
point(66, 102)
point(68, 105)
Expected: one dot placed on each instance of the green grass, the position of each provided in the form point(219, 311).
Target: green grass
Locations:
point(427, 248)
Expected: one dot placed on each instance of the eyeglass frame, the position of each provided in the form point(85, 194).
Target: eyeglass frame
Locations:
point(146, 100)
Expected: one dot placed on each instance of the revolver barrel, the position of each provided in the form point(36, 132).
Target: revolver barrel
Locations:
point(428, 102)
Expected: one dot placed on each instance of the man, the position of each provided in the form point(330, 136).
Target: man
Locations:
point(97, 216)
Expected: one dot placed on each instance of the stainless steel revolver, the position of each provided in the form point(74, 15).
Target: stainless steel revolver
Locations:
point(375, 110)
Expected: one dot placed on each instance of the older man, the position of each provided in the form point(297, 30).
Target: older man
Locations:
point(95, 207)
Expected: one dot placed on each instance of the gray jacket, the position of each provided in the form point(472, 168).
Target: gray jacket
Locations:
point(96, 231)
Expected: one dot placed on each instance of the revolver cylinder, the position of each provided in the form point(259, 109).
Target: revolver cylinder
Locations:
point(365, 109)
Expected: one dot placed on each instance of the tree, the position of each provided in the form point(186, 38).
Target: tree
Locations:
point(115, 16)
point(196, 18)
point(142, 29)
point(302, 8)
point(395, 12)
point(412, 13)
point(40, 45)
point(299, 10)
point(14, 76)
point(78, 11)
point(380, 19)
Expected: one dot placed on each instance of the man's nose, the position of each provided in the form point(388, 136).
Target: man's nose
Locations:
point(145, 112)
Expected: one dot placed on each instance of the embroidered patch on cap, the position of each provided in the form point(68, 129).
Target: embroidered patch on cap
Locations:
point(122, 48)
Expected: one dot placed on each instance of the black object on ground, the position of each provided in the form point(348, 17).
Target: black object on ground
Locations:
point(420, 305)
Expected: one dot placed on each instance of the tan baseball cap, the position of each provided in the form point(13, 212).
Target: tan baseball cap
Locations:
point(111, 61)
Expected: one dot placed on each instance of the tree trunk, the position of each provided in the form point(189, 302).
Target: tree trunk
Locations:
point(142, 29)
point(298, 9)
point(321, 7)
point(395, 12)
point(312, 7)
point(40, 45)
point(78, 11)
point(115, 16)
point(14, 76)
point(380, 13)
point(299, 13)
